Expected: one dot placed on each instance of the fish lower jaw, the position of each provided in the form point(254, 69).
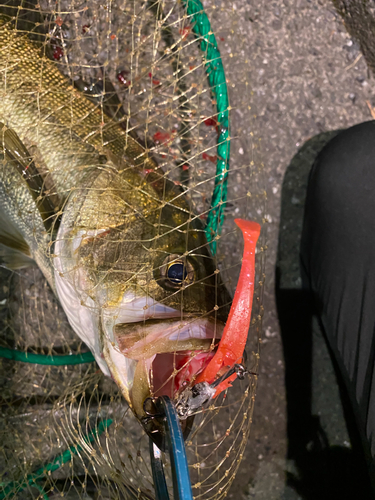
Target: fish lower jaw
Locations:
point(150, 360)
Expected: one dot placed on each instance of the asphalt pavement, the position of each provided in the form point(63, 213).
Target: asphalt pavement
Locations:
point(309, 80)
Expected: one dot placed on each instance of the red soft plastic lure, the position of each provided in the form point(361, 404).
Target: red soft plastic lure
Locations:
point(233, 341)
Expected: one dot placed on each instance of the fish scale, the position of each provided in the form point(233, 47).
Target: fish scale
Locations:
point(31, 76)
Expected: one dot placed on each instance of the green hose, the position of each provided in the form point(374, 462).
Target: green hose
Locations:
point(217, 81)
point(44, 359)
point(58, 462)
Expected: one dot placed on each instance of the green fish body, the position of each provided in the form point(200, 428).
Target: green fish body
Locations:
point(117, 241)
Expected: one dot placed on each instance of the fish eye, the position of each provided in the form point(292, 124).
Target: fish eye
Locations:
point(176, 271)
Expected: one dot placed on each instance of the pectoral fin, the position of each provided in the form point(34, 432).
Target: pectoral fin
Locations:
point(17, 154)
point(14, 251)
point(11, 237)
point(14, 259)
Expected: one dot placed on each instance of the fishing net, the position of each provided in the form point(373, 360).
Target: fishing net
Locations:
point(175, 76)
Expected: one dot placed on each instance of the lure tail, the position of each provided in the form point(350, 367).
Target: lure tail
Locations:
point(232, 344)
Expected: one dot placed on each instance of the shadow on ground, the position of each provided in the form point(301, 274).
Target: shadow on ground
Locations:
point(323, 441)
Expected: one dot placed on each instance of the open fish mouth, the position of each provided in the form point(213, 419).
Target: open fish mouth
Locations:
point(147, 347)
point(158, 356)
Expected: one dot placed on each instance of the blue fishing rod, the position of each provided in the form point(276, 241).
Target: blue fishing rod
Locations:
point(177, 454)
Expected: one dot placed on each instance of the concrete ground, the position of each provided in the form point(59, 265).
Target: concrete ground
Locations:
point(309, 80)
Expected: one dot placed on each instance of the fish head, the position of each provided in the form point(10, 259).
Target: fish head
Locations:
point(141, 268)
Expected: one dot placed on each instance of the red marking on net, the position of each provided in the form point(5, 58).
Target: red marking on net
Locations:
point(123, 79)
point(233, 341)
point(85, 28)
point(162, 137)
point(185, 32)
point(154, 80)
point(58, 53)
point(185, 167)
point(59, 21)
point(210, 122)
point(210, 158)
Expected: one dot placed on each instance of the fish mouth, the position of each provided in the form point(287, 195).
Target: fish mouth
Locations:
point(158, 357)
